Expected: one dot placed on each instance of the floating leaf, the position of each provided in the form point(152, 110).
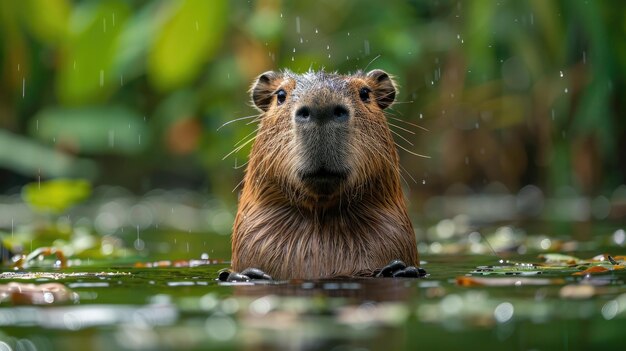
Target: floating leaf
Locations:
point(559, 258)
point(31, 294)
point(583, 291)
point(479, 281)
point(56, 195)
point(598, 269)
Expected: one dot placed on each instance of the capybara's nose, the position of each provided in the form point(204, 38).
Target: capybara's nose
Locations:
point(322, 114)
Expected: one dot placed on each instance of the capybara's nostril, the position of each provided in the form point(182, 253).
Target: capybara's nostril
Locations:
point(303, 114)
point(340, 114)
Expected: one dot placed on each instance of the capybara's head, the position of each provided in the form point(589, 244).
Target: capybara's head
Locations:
point(323, 137)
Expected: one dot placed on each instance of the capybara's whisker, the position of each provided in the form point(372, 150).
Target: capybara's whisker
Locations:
point(401, 137)
point(409, 123)
point(411, 152)
point(237, 119)
point(404, 129)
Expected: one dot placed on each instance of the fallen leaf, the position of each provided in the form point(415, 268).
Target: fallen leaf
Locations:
point(577, 291)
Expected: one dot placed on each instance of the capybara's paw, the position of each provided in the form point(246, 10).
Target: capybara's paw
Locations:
point(248, 274)
point(399, 269)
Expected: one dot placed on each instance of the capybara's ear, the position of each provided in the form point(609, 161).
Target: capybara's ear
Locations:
point(383, 87)
point(263, 88)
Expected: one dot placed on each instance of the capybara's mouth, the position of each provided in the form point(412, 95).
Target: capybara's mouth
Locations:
point(323, 180)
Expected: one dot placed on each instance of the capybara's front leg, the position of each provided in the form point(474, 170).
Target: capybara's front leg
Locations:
point(399, 269)
point(246, 275)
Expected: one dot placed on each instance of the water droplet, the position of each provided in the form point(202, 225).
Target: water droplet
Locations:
point(348, 33)
point(561, 74)
point(104, 24)
point(23, 87)
point(327, 47)
point(421, 116)
point(328, 55)
point(565, 90)
point(301, 40)
point(281, 15)
point(101, 78)
point(366, 47)
point(424, 181)
point(294, 49)
point(316, 31)
point(292, 58)
point(298, 25)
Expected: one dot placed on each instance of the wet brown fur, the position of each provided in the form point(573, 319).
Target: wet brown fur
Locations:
point(287, 230)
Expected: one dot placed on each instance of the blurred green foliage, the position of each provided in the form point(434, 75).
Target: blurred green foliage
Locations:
point(133, 93)
point(56, 196)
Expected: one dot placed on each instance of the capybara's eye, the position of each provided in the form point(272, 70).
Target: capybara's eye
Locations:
point(281, 95)
point(364, 94)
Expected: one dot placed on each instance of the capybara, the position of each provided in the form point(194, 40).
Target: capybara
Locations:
point(321, 195)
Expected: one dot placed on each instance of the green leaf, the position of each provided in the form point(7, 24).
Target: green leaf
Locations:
point(47, 20)
point(56, 195)
point(86, 69)
point(188, 39)
point(92, 130)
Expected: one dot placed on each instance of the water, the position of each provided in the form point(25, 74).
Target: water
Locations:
point(167, 298)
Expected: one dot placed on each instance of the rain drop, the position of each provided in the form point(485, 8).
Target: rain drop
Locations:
point(23, 87)
point(298, 25)
point(565, 90)
point(316, 31)
point(327, 47)
point(104, 24)
point(561, 74)
point(366, 45)
point(101, 78)
point(294, 49)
